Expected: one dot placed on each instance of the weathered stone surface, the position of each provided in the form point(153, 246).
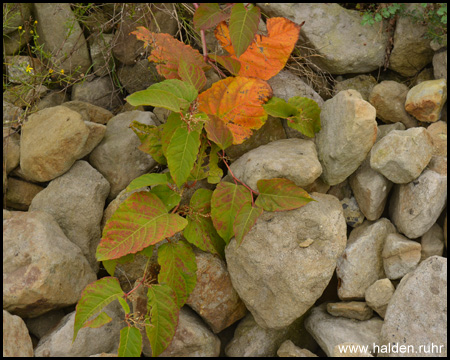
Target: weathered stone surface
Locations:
point(401, 156)
point(76, 201)
point(388, 98)
point(277, 279)
point(90, 112)
point(400, 256)
point(440, 64)
point(41, 325)
point(412, 50)
point(100, 47)
point(417, 312)
point(16, 68)
point(117, 156)
point(52, 140)
point(16, 339)
point(251, 340)
point(438, 133)
point(20, 193)
point(271, 131)
point(61, 35)
point(288, 349)
point(361, 83)
point(426, 100)
point(370, 189)
point(138, 76)
point(330, 331)
point(361, 264)
point(432, 242)
point(96, 133)
point(293, 159)
point(192, 338)
point(353, 48)
point(42, 269)
point(11, 149)
point(351, 310)
point(378, 295)
point(352, 213)
point(214, 297)
point(415, 207)
point(89, 341)
point(99, 92)
point(348, 133)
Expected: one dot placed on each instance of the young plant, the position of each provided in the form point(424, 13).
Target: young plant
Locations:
point(191, 143)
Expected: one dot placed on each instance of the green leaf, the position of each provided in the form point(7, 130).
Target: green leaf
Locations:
point(181, 154)
point(226, 201)
point(279, 108)
point(208, 15)
point(164, 312)
point(130, 342)
point(243, 26)
point(199, 171)
point(172, 124)
point(192, 74)
point(173, 94)
point(169, 197)
point(151, 140)
point(200, 230)
point(245, 219)
point(218, 132)
point(141, 220)
point(280, 195)
point(102, 319)
point(178, 269)
point(94, 298)
point(125, 306)
point(149, 180)
point(215, 173)
point(307, 119)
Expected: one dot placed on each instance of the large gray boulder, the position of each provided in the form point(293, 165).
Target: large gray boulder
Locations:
point(277, 271)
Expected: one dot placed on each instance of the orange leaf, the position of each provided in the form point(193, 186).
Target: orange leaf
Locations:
point(267, 55)
point(238, 103)
point(167, 53)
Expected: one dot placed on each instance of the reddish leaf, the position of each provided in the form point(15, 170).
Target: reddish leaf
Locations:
point(141, 220)
point(168, 51)
point(178, 269)
point(232, 65)
point(192, 74)
point(218, 132)
point(208, 15)
point(245, 219)
point(226, 201)
point(267, 55)
point(237, 102)
point(280, 195)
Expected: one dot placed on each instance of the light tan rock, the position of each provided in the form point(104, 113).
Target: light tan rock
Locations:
point(52, 140)
point(432, 242)
point(438, 133)
point(351, 310)
point(16, 339)
point(378, 294)
point(400, 256)
point(426, 100)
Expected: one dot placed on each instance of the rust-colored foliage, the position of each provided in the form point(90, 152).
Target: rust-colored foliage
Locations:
point(267, 55)
point(238, 103)
point(167, 53)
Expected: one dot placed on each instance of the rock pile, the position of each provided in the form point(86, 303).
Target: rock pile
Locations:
point(364, 264)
